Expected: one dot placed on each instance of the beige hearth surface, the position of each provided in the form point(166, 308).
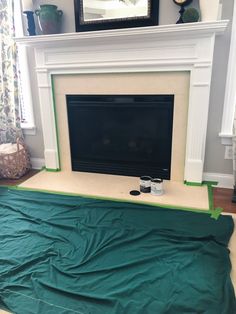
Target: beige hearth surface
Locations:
point(177, 194)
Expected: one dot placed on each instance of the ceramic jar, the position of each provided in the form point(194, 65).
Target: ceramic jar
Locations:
point(209, 10)
point(49, 19)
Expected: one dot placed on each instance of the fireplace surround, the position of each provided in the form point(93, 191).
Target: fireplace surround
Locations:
point(126, 84)
point(168, 48)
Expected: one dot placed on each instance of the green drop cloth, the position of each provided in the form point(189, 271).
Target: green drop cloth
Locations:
point(67, 254)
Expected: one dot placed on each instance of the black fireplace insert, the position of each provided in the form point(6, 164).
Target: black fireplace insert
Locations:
point(121, 134)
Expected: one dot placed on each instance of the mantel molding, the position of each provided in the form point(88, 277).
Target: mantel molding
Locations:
point(177, 31)
point(186, 47)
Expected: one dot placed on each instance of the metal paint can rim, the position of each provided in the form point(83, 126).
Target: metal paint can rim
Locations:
point(157, 187)
point(145, 184)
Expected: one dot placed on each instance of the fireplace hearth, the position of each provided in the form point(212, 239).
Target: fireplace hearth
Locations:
point(121, 134)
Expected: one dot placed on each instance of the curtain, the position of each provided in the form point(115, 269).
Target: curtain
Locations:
point(9, 97)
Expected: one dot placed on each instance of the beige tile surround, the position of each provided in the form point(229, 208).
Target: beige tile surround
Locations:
point(176, 83)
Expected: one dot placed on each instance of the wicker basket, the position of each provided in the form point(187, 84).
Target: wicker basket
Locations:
point(15, 165)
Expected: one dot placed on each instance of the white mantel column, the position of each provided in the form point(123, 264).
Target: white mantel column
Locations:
point(51, 152)
point(197, 123)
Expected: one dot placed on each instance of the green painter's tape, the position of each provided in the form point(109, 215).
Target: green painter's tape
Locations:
point(200, 184)
point(210, 196)
point(210, 182)
point(52, 170)
point(192, 209)
point(56, 124)
point(216, 213)
point(192, 183)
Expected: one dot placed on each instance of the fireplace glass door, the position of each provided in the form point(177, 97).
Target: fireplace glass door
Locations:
point(121, 134)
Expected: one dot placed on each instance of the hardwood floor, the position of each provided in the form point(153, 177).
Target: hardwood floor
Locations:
point(31, 173)
point(222, 197)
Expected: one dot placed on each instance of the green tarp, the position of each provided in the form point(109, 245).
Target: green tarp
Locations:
point(66, 254)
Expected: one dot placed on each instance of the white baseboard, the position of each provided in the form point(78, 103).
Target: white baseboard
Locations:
point(224, 180)
point(37, 163)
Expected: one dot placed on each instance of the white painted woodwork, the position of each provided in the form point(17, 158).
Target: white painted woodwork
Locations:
point(37, 163)
point(225, 181)
point(186, 47)
point(226, 132)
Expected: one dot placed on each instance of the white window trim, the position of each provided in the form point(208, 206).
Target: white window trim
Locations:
point(29, 128)
point(226, 132)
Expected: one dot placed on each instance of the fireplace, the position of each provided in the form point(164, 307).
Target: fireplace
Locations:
point(140, 51)
point(121, 134)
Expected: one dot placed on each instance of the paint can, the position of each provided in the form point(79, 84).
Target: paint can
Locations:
point(157, 187)
point(145, 184)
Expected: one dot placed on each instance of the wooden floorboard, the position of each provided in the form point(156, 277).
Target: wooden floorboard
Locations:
point(31, 173)
point(222, 197)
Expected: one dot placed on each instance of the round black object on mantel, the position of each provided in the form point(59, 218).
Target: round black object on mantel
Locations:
point(182, 3)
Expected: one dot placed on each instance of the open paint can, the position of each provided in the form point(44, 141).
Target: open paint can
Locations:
point(145, 184)
point(157, 187)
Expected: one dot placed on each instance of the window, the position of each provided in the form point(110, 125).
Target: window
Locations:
point(27, 117)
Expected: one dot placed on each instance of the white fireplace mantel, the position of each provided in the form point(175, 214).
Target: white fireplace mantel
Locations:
point(186, 47)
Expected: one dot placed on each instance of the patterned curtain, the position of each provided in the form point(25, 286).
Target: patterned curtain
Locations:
point(9, 100)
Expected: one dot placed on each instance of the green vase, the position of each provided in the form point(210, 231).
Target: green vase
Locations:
point(49, 19)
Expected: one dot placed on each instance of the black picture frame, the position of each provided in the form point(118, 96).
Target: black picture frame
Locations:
point(82, 26)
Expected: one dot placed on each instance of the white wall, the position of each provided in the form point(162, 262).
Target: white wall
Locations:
point(214, 161)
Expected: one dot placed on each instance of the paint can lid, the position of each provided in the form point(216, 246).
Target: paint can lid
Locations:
point(145, 178)
point(157, 180)
point(134, 193)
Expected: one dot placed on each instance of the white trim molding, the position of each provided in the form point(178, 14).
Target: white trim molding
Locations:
point(226, 132)
point(37, 163)
point(29, 130)
point(25, 87)
point(224, 180)
point(182, 47)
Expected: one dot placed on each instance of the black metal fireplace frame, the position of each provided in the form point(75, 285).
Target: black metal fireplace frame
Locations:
point(121, 168)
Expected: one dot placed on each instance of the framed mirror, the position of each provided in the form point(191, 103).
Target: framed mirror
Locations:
point(92, 15)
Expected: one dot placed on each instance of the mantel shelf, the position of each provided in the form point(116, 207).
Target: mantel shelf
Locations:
point(157, 32)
